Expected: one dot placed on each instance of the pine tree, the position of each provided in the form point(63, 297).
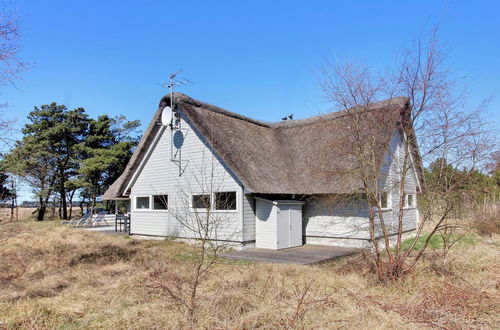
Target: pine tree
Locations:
point(106, 152)
point(5, 191)
point(63, 130)
point(32, 161)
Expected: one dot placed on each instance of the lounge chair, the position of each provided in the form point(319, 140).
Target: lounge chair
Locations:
point(99, 218)
point(82, 221)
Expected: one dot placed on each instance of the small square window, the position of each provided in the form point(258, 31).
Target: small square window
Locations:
point(201, 201)
point(142, 203)
point(160, 202)
point(225, 200)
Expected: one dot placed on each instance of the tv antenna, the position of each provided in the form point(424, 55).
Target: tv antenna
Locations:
point(174, 81)
point(170, 118)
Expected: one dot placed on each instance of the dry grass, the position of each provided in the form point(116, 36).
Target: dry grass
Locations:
point(31, 212)
point(487, 222)
point(53, 277)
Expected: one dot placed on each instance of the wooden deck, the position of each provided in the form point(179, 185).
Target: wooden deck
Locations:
point(109, 230)
point(302, 255)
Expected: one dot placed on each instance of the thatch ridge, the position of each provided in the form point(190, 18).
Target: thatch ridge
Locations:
point(180, 98)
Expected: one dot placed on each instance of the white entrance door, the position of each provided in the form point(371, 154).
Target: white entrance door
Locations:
point(289, 226)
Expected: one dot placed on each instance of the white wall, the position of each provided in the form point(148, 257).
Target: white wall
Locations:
point(343, 219)
point(248, 218)
point(397, 168)
point(160, 175)
point(266, 225)
point(335, 216)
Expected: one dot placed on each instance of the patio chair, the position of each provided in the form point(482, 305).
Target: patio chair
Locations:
point(99, 218)
point(122, 222)
point(82, 221)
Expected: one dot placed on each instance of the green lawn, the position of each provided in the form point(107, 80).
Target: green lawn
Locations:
point(436, 241)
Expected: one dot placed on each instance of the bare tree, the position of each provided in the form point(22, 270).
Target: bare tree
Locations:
point(10, 64)
point(200, 209)
point(435, 125)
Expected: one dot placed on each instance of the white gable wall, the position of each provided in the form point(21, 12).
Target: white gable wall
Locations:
point(160, 175)
point(394, 165)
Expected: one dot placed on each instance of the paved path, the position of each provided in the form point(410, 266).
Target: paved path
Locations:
point(302, 255)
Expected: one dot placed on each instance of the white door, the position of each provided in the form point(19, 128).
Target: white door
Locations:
point(295, 225)
point(283, 234)
point(289, 226)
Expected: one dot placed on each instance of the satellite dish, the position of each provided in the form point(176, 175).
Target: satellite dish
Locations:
point(166, 116)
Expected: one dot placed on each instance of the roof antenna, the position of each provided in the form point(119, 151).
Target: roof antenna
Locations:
point(172, 82)
point(169, 116)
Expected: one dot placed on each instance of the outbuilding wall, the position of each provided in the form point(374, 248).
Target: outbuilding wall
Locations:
point(266, 224)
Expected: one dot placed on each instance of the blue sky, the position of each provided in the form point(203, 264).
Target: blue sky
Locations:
point(256, 58)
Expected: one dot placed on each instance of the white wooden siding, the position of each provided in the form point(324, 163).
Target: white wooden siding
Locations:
point(160, 175)
point(335, 216)
point(248, 218)
point(266, 225)
point(329, 217)
point(393, 171)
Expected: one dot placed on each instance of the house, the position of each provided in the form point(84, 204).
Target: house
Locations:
point(282, 184)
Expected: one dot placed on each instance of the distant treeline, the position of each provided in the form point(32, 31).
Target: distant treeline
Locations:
point(53, 204)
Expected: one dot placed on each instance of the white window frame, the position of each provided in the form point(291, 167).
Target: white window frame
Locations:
point(153, 203)
point(389, 201)
point(225, 191)
point(142, 196)
point(212, 202)
point(193, 209)
point(414, 201)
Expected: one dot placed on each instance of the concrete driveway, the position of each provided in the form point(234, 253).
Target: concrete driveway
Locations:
point(302, 255)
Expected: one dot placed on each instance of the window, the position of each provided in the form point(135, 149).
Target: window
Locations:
point(225, 200)
point(201, 201)
point(160, 202)
point(411, 200)
point(385, 200)
point(142, 203)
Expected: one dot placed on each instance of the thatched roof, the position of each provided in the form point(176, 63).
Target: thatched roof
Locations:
point(308, 156)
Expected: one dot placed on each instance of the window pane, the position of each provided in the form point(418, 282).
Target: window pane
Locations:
point(160, 202)
point(410, 201)
point(201, 201)
point(225, 200)
point(405, 200)
point(142, 203)
point(383, 200)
